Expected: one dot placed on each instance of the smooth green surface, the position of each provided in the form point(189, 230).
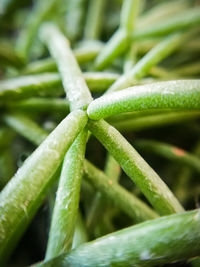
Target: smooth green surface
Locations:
point(180, 94)
point(67, 199)
point(25, 192)
point(150, 243)
point(155, 190)
point(73, 81)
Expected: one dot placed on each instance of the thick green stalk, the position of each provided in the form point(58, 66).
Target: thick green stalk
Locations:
point(67, 199)
point(130, 204)
point(86, 52)
point(32, 85)
point(170, 152)
point(25, 127)
point(155, 190)
point(48, 84)
point(41, 11)
point(164, 240)
point(152, 58)
point(73, 81)
point(157, 120)
point(184, 20)
point(126, 200)
point(181, 94)
point(23, 195)
point(94, 19)
point(121, 38)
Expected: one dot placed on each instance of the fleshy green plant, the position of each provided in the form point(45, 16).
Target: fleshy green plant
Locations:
point(59, 86)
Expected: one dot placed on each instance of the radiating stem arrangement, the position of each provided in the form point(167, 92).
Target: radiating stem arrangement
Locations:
point(84, 86)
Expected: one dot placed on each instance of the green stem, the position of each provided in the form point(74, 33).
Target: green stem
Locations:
point(48, 84)
point(67, 200)
point(25, 127)
point(74, 18)
point(73, 81)
point(184, 20)
point(100, 204)
point(157, 120)
point(23, 195)
point(41, 11)
point(94, 19)
point(80, 233)
point(170, 152)
point(152, 58)
point(85, 53)
point(131, 205)
point(121, 38)
point(181, 94)
point(155, 190)
point(164, 240)
point(39, 105)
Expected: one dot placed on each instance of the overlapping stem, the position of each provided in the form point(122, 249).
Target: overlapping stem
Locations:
point(150, 243)
point(25, 192)
point(155, 190)
point(181, 94)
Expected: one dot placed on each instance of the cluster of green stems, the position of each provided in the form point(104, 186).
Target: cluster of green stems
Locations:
point(172, 237)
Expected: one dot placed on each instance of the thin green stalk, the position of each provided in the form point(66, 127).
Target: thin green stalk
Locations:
point(74, 18)
point(170, 152)
point(72, 78)
point(99, 208)
point(25, 192)
point(93, 23)
point(25, 127)
point(184, 20)
point(7, 166)
point(152, 58)
point(121, 38)
point(67, 200)
point(188, 69)
point(42, 11)
point(181, 94)
point(86, 52)
point(38, 105)
point(162, 10)
point(130, 204)
point(8, 57)
point(80, 233)
point(155, 190)
point(157, 120)
point(164, 240)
